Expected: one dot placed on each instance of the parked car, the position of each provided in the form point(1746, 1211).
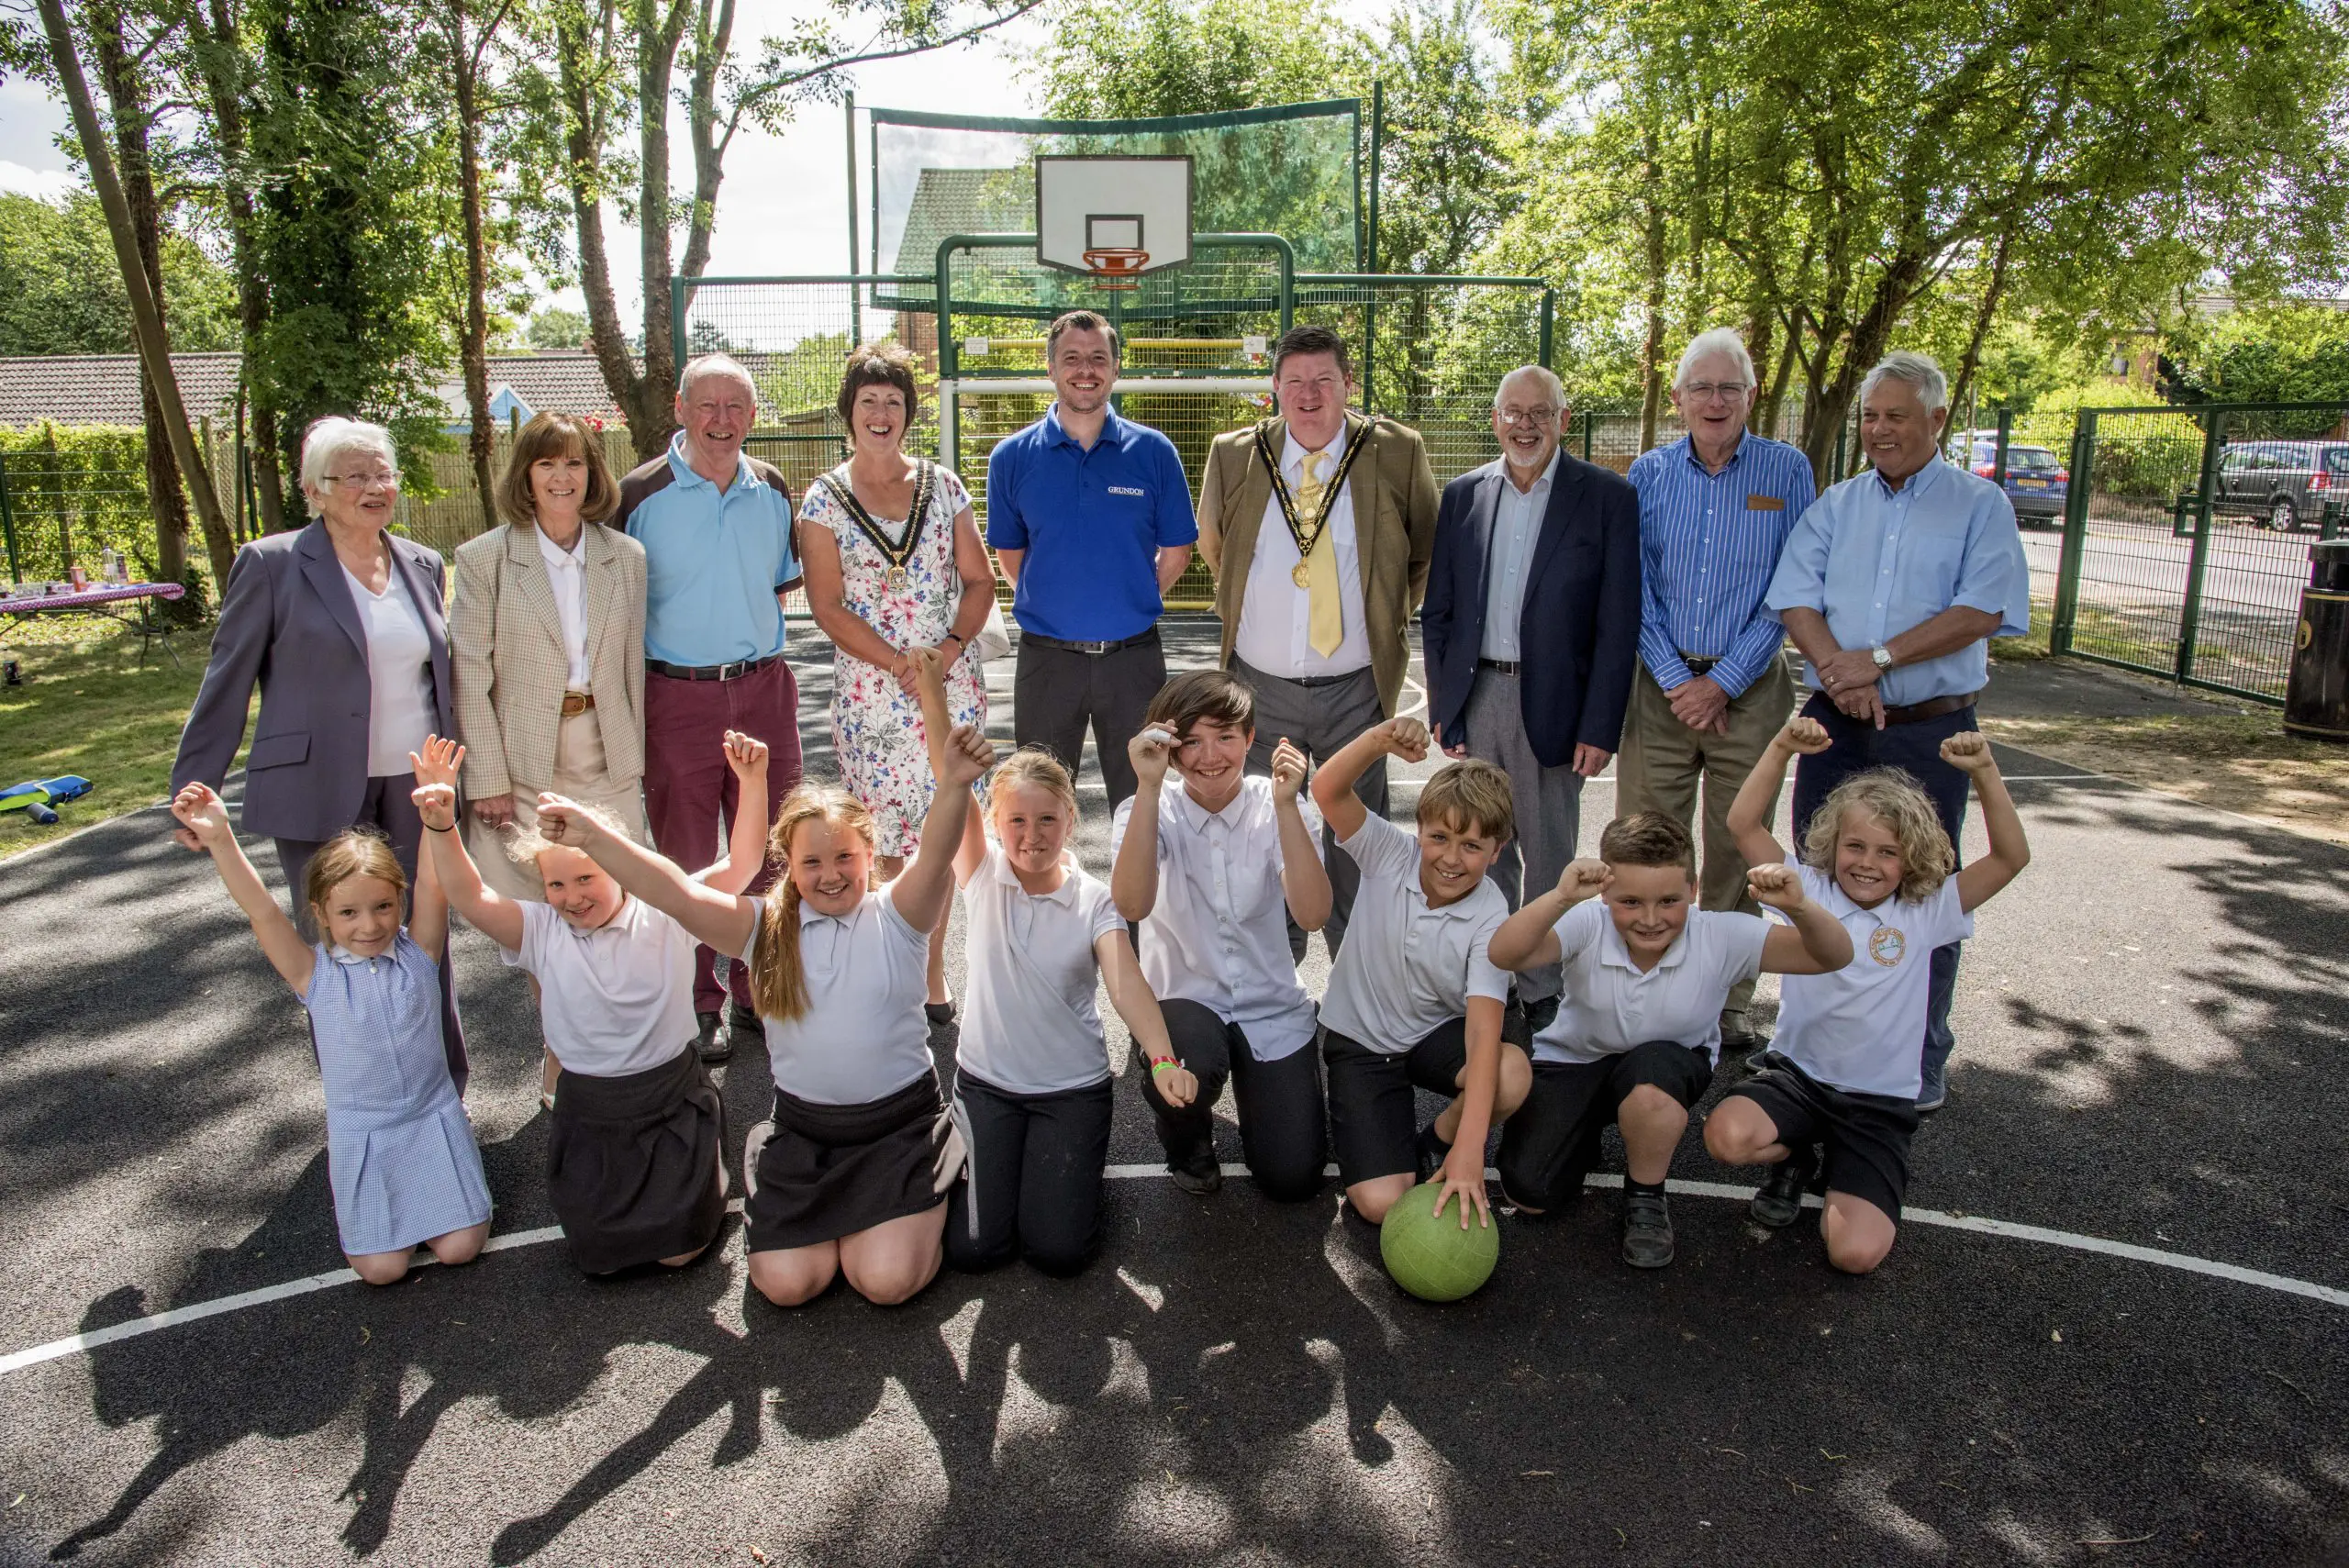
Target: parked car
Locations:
point(2281, 485)
point(2037, 482)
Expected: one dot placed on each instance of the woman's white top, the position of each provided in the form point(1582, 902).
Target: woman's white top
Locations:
point(399, 674)
point(1219, 934)
point(1030, 1024)
point(616, 1000)
point(567, 575)
point(863, 1036)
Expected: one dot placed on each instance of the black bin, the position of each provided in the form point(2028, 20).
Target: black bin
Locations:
point(2316, 697)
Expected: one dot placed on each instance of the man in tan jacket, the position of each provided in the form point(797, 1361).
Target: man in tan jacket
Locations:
point(1319, 526)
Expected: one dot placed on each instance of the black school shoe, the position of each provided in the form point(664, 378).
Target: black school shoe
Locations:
point(1199, 1176)
point(714, 1044)
point(1778, 1202)
point(1429, 1153)
point(1647, 1229)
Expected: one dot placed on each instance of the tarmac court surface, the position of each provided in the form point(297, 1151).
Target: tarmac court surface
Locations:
point(2112, 1330)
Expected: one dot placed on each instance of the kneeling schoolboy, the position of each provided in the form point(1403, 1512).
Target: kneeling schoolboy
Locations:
point(1414, 1001)
point(1840, 1088)
point(1639, 1028)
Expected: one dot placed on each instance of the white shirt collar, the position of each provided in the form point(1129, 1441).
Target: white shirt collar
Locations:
point(1064, 895)
point(1614, 952)
point(554, 555)
point(1293, 452)
point(1549, 472)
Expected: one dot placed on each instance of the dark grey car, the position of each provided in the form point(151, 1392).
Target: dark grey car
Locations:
point(2281, 485)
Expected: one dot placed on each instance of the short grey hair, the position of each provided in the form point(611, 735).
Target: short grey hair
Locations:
point(1543, 373)
point(1912, 370)
point(335, 436)
point(714, 364)
point(1719, 340)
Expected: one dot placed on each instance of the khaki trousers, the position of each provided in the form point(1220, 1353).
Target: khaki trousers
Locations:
point(1663, 760)
point(580, 774)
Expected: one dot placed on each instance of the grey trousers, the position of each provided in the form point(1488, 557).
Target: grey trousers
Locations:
point(1319, 716)
point(1547, 803)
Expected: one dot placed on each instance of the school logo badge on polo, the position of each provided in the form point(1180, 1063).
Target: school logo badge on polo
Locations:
point(1886, 945)
point(1125, 490)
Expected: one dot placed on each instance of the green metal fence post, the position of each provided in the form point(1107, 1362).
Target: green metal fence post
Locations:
point(856, 301)
point(2077, 497)
point(1377, 141)
point(8, 526)
point(1549, 326)
point(679, 288)
point(1589, 424)
point(2190, 615)
point(1998, 458)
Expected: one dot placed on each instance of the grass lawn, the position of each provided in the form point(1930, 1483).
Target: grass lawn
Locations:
point(87, 708)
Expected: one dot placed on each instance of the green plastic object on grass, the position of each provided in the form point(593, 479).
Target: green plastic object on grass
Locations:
point(1430, 1255)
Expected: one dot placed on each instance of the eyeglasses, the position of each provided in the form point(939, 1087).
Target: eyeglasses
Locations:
point(363, 483)
point(1706, 391)
point(1544, 415)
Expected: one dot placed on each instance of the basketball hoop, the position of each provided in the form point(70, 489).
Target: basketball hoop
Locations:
point(1117, 267)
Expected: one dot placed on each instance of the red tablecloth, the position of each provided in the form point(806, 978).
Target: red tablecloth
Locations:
point(96, 594)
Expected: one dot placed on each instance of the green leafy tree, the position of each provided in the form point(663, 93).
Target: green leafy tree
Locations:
point(551, 326)
point(61, 294)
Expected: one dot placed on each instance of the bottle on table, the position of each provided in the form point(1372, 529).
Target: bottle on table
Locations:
point(113, 570)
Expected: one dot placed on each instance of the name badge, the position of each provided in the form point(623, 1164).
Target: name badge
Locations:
point(1125, 490)
point(1765, 504)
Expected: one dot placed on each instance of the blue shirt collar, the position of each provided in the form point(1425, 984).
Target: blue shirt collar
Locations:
point(683, 469)
point(1113, 428)
point(1687, 446)
point(1916, 484)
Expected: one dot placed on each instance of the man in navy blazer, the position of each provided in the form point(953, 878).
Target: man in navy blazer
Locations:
point(1531, 630)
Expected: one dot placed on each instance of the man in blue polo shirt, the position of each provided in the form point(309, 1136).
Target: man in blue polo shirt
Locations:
point(1892, 586)
point(1091, 517)
point(716, 526)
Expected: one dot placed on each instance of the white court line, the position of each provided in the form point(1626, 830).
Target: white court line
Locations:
point(74, 1344)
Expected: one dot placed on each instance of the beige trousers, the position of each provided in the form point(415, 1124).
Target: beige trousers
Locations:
point(580, 774)
point(1662, 762)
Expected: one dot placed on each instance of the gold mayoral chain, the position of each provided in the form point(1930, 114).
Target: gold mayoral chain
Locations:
point(898, 552)
point(1356, 430)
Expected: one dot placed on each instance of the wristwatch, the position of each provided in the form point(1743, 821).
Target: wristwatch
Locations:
point(1882, 655)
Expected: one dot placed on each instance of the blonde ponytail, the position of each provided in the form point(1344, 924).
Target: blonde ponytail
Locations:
point(778, 983)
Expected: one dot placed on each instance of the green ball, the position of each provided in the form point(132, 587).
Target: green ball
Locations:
point(1432, 1258)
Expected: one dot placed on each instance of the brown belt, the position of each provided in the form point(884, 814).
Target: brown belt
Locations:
point(576, 703)
point(1933, 707)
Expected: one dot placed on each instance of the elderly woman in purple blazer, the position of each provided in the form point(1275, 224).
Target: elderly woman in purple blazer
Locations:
point(341, 627)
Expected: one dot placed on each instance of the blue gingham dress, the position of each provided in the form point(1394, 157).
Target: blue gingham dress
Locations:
point(400, 1151)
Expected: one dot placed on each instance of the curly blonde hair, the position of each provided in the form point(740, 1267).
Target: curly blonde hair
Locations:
point(778, 984)
point(1891, 796)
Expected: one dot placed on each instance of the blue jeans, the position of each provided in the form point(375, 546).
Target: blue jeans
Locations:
point(1915, 748)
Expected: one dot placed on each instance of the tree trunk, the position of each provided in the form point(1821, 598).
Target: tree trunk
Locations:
point(472, 348)
point(154, 349)
point(649, 417)
point(126, 89)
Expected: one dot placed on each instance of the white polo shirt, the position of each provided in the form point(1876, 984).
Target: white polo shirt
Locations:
point(863, 1037)
point(1219, 935)
point(1030, 1025)
point(1608, 1006)
point(1863, 1028)
point(1408, 967)
point(616, 1000)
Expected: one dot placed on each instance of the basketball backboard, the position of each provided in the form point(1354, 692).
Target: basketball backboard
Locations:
point(1113, 218)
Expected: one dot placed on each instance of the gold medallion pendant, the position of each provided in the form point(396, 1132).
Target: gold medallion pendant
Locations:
point(1301, 576)
point(896, 579)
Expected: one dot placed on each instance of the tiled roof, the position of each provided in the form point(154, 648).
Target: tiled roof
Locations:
point(963, 201)
point(103, 389)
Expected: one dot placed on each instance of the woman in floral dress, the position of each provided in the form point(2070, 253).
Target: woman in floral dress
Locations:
point(879, 586)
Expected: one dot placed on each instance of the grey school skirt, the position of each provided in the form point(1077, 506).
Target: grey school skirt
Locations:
point(632, 1165)
point(831, 1171)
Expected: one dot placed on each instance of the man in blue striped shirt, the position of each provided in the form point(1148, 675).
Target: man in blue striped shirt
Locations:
point(1716, 508)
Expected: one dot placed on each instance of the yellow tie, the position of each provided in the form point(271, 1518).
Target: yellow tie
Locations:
point(1325, 620)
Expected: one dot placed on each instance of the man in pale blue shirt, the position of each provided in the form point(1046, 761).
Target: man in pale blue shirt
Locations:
point(1715, 509)
point(1892, 586)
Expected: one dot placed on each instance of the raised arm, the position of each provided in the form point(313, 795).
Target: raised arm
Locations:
point(746, 840)
point(1816, 944)
point(1130, 994)
point(1757, 797)
point(1305, 880)
point(720, 920)
point(204, 817)
point(1979, 881)
point(1529, 938)
point(958, 758)
point(1333, 786)
point(427, 907)
point(496, 917)
point(1133, 876)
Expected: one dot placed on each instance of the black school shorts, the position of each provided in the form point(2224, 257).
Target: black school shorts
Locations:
point(1553, 1141)
point(1373, 1118)
point(1865, 1137)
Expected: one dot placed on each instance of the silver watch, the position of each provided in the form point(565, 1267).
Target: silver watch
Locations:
point(1882, 655)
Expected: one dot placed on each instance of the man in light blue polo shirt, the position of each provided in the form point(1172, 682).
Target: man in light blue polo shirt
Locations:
point(1892, 586)
point(716, 526)
point(1090, 516)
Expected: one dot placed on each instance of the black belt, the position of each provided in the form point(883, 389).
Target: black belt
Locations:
point(1501, 666)
point(1093, 649)
point(735, 671)
point(1931, 707)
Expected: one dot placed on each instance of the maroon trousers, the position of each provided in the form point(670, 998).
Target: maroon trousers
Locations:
point(690, 792)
